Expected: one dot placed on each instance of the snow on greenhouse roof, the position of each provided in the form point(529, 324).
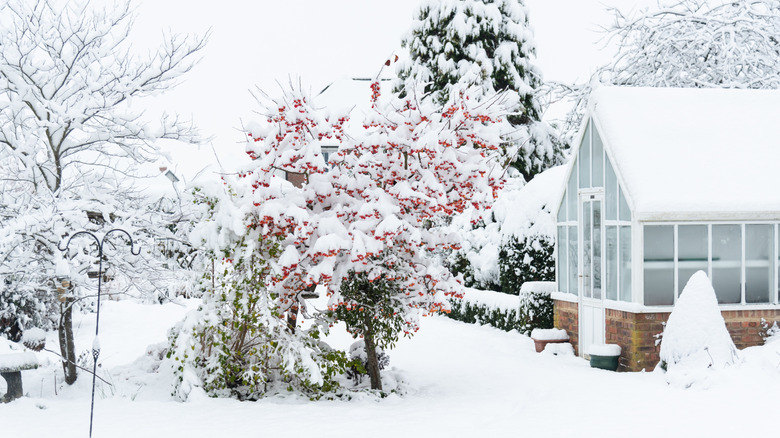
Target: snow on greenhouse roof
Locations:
point(693, 153)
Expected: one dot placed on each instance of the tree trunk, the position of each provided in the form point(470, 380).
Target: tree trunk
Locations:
point(292, 317)
point(67, 349)
point(373, 362)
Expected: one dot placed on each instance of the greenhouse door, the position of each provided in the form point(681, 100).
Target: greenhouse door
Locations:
point(591, 293)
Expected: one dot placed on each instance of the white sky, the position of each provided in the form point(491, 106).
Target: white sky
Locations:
point(260, 42)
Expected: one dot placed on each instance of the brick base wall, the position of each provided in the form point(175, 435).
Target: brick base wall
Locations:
point(637, 333)
point(566, 316)
point(745, 325)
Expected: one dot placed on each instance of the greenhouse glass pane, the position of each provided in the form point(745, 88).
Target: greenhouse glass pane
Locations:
point(727, 263)
point(611, 251)
point(573, 263)
point(562, 209)
point(759, 255)
point(597, 284)
point(610, 194)
point(563, 270)
point(587, 265)
point(597, 159)
point(571, 197)
point(625, 212)
point(659, 265)
point(584, 158)
point(625, 264)
point(692, 252)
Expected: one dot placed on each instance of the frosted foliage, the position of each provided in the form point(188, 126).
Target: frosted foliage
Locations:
point(690, 44)
point(70, 137)
point(488, 44)
point(695, 43)
point(695, 337)
point(364, 231)
point(522, 212)
point(472, 40)
point(66, 82)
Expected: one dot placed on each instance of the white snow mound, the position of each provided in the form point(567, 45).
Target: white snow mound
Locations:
point(695, 336)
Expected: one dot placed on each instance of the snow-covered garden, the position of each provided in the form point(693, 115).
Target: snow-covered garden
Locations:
point(453, 379)
point(379, 259)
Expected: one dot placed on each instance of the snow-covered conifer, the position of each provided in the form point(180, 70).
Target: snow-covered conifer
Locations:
point(489, 44)
point(695, 338)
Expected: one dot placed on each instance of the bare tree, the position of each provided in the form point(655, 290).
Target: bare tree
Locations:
point(71, 132)
point(690, 44)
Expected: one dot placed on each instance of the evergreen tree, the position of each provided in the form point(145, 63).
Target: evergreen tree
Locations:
point(487, 43)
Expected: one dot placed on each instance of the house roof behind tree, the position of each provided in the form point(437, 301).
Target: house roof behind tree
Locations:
point(349, 96)
point(693, 153)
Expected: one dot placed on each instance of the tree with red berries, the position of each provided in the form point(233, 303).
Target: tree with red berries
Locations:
point(368, 229)
point(412, 166)
point(244, 340)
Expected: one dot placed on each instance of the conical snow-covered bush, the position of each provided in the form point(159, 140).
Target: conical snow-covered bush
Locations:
point(695, 338)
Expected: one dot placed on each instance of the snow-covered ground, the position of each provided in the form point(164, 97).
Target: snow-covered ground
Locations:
point(461, 380)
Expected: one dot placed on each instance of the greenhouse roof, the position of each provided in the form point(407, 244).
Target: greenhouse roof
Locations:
point(687, 154)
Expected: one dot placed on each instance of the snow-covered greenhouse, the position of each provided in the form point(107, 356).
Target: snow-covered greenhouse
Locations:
point(666, 182)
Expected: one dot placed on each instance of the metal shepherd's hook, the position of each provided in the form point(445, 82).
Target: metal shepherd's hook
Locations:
point(96, 342)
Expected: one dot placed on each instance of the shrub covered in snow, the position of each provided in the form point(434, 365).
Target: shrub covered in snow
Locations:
point(487, 307)
point(504, 319)
point(237, 345)
point(34, 339)
point(514, 244)
point(529, 258)
point(532, 309)
point(358, 366)
point(695, 337)
point(473, 276)
point(536, 305)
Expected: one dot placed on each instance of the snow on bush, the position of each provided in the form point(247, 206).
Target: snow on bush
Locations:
point(491, 308)
point(521, 226)
point(530, 310)
point(359, 361)
point(34, 338)
point(491, 299)
point(772, 333)
point(695, 337)
point(367, 228)
point(487, 44)
point(536, 305)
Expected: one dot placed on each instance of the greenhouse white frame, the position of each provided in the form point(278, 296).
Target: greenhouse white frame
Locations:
point(638, 221)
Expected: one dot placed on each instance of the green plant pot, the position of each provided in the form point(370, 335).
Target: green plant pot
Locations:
point(609, 363)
